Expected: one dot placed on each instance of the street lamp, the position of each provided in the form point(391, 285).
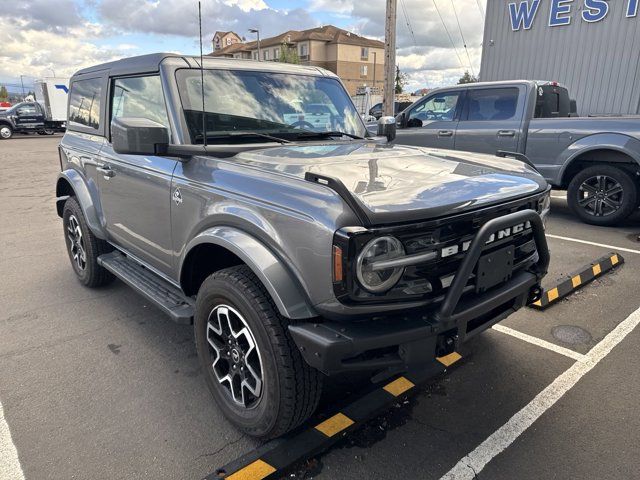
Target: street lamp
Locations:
point(257, 32)
point(375, 58)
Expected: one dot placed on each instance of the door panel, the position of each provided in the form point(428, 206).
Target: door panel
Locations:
point(432, 122)
point(491, 120)
point(135, 190)
point(29, 117)
point(136, 200)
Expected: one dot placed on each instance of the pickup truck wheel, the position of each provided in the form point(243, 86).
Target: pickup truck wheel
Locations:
point(603, 195)
point(84, 247)
point(252, 366)
point(6, 132)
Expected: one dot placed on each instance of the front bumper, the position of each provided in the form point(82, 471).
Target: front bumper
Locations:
point(408, 341)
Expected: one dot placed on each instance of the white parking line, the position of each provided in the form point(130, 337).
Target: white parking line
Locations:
point(540, 343)
point(473, 463)
point(10, 468)
point(577, 240)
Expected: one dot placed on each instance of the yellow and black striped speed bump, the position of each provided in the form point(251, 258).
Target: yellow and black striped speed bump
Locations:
point(577, 280)
point(273, 459)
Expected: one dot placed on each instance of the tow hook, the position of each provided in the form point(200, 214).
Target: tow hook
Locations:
point(447, 343)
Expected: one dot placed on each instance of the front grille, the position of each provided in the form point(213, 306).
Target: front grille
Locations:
point(450, 237)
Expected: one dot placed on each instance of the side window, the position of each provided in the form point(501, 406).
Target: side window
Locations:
point(441, 107)
point(84, 103)
point(28, 109)
point(491, 104)
point(139, 97)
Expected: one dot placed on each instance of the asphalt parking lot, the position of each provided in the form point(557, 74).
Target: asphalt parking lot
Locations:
point(97, 384)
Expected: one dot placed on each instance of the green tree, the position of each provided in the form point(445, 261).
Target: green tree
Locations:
point(289, 54)
point(4, 94)
point(467, 78)
point(401, 80)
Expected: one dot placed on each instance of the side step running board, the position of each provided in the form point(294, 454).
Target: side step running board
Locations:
point(155, 289)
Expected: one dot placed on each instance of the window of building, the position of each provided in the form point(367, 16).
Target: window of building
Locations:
point(84, 103)
point(276, 54)
point(255, 55)
point(364, 53)
point(364, 70)
point(490, 104)
point(304, 51)
point(265, 54)
point(139, 97)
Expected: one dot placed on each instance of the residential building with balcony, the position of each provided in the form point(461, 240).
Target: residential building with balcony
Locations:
point(357, 60)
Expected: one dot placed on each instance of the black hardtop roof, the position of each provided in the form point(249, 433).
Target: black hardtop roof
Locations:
point(151, 63)
point(141, 63)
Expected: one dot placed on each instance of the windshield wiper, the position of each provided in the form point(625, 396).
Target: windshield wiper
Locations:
point(310, 133)
point(246, 134)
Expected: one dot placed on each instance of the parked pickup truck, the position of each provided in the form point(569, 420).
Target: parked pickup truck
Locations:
point(297, 250)
point(596, 159)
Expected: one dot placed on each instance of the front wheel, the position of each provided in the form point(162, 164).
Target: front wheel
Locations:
point(603, 195)
point(6, 132)
point(252, 366)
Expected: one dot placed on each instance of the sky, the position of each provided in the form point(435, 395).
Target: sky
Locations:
point(43, 37)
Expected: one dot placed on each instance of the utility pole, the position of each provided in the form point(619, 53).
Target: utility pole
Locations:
point(22, 83)
point(389, 59)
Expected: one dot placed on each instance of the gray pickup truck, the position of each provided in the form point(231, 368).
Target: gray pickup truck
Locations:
point(596, 159)
point(297, 245)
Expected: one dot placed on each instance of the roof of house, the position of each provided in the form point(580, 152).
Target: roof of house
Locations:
point(327, 33)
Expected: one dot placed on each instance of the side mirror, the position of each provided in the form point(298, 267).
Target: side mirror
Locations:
point(400, 119)
point(387, 128)
point(137, 136)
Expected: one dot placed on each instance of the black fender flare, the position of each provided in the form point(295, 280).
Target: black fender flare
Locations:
point(281, 284)
point(81, 191)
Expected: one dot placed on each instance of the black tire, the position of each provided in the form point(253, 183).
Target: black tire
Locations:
point(88, 271)
point(290, 389)
point(603, 195)
point(6, 132)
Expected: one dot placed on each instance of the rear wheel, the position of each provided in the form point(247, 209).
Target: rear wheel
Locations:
point(6, 132)
point(84, 247)
point(252, 366)
point(603, 195)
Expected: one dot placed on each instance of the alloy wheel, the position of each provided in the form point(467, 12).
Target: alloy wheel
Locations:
point(76, 243)
point(237, 364)
point(600, 195)
point(5, 132)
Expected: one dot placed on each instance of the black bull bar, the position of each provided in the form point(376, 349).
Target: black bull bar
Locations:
point(418, 337)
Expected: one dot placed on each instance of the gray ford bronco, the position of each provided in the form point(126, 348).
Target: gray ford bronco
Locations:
point(297, 244)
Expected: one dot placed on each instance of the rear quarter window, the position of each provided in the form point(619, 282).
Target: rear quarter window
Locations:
point(491, 104)
point(84, 103)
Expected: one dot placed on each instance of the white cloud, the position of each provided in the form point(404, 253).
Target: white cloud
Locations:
point(247, 5)
point(35, 53)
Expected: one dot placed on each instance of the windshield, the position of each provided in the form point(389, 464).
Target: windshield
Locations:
point(282, 105)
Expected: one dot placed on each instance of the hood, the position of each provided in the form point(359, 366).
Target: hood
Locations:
point(394, 183)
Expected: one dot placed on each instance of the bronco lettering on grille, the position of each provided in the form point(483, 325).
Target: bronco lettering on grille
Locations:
point(499, 235)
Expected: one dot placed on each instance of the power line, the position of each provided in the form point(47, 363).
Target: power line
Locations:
point(406, 17)
point(481, 9)
point(464, 43)
point(448, 34)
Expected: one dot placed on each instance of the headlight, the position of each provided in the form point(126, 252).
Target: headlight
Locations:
point(370, 264)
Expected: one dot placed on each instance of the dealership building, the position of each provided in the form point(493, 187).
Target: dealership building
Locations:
point(591, 46)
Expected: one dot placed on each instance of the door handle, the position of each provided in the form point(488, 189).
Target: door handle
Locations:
point(445, 133)
point(506, 133)
point(106, 171)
